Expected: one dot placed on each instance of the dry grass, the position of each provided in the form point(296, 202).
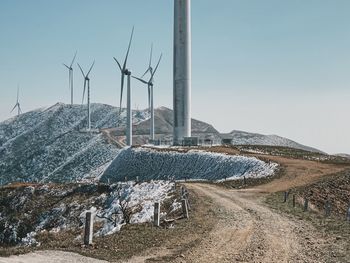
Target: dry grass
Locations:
point(334, 227)
point(134, 239)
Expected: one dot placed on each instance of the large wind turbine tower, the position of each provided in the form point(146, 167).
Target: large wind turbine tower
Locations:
point(182, 70)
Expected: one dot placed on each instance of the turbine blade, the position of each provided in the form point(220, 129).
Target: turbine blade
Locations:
point(13, 108)
point(71, 64)
point(91, 68)
point(82, 102)
point(155, 70)
point(150, 58)
point(65, 66)
point(82, 72)
point(143, 81)
point(144, 74)
point(127, 53)
point(120, 67)
point(19, 108)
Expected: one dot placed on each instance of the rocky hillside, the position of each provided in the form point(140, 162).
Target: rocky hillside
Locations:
point(52, 144)
point(28, 210)
point(247, 138)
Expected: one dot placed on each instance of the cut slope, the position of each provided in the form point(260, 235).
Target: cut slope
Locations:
point(150, 164)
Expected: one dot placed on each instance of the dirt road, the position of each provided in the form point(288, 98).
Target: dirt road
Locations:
point(298, 172)
point(248, 231)
point(50, 256)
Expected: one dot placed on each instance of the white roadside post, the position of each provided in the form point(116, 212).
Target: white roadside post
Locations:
point(157, 214)
point(89, 228)
point(184, 208)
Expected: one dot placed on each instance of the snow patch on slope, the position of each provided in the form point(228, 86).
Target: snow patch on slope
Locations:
point(151, 164)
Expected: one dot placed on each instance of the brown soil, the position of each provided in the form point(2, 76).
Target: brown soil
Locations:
point(237, 225)
point(248, 231)
point(298, 173)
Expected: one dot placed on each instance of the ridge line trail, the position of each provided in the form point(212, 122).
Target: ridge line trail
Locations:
point(248, 231)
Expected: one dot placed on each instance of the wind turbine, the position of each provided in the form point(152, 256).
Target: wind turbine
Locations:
point(87, 85)
point(126, 72)
point(70, 69)
point(150, 84)
point(17, 105)
point(149, 69)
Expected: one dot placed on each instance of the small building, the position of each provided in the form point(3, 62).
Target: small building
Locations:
point(190, 141)
point(208, 141)
point(155, 142)
point(226, 141)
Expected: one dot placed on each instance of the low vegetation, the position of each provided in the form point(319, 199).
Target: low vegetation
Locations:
point(328, 204)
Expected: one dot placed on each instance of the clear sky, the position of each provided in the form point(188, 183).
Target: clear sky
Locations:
point(272, 66)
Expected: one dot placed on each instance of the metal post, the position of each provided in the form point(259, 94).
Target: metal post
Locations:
point(293, 200)
point(306, 204)
point(348, 214)
point(184, 208)
point(157, 214)
point(285, 197)
point(89, 228)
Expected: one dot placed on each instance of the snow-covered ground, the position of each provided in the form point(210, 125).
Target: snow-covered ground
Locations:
point(50, 144)
point(248, 138)
point(150, 164)
point(33, 209)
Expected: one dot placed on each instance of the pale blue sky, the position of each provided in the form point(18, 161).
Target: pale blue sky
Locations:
point(271, 66)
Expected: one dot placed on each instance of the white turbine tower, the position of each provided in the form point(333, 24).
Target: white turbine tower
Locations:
point(126, 72)
point(17, 105)
point(87, 85)
point(70, 80)
point(182, 70)
point(150, 85)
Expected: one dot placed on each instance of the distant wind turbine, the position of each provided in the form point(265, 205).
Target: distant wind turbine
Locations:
point(70, 69)
point(17, 105)
point(87, 85)
point(150, 84)
point(149, 69)
point(126, 72)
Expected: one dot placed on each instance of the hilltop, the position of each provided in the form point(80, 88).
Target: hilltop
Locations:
point(52, 145)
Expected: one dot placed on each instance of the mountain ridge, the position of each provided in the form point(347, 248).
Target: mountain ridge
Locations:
point(51, 144)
